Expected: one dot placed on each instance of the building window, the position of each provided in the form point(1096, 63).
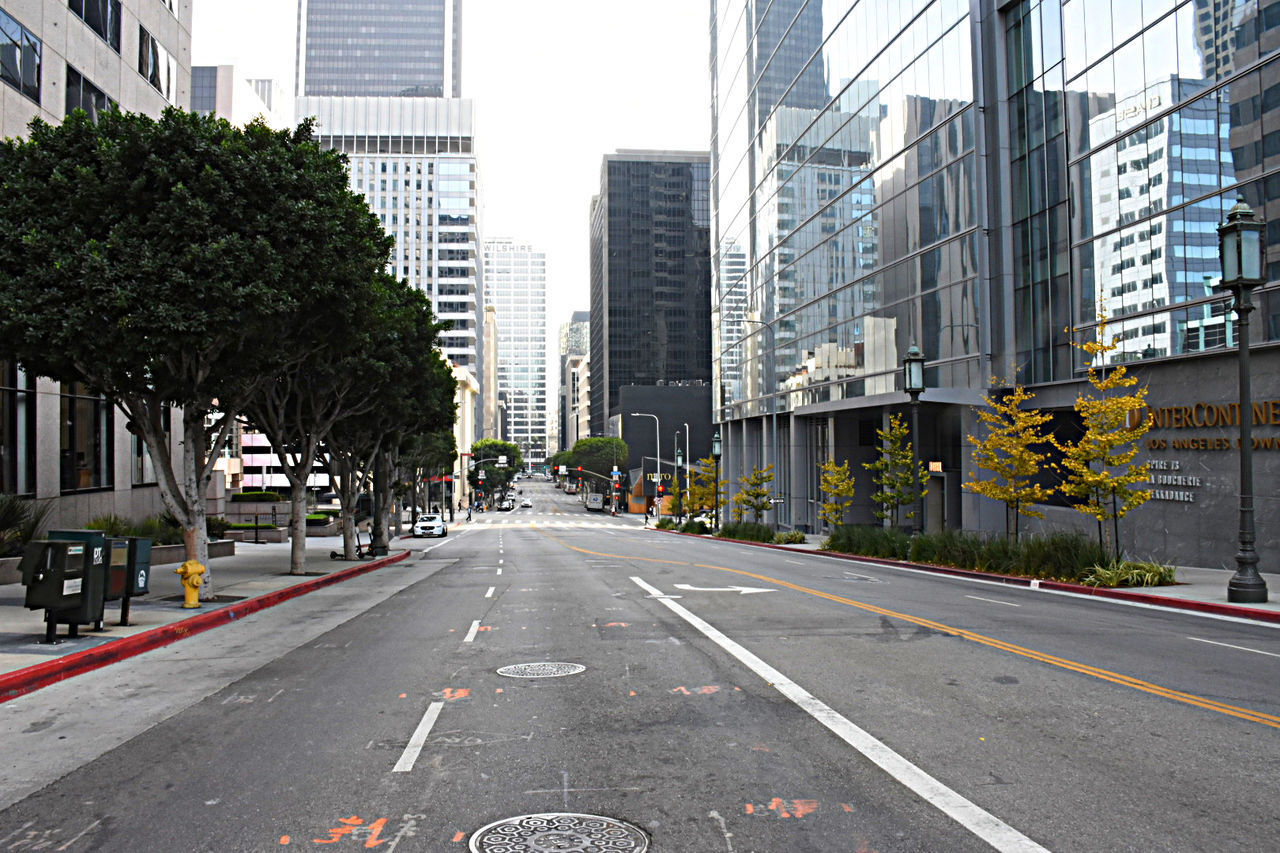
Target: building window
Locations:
point(87, 439)
point(102, 16)
point(17, 430)
point(157, 65)
point(83, 95)
point(19, 57)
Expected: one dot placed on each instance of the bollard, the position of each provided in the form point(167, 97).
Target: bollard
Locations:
point(191, 573)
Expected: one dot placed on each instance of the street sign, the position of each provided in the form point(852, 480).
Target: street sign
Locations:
point(777, 500)
point(502, 460)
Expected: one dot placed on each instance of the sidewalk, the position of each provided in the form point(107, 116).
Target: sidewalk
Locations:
point(1198, 590)
point(257, 576)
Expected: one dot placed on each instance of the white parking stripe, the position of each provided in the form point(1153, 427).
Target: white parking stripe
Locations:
point(489, 594)
point(981, 823)
point(471, 634)
point(419, 739)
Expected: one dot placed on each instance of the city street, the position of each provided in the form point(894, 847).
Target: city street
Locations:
point(724, 698)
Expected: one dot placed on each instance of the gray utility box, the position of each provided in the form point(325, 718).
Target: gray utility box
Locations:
point(53, 573)
point(94, 601)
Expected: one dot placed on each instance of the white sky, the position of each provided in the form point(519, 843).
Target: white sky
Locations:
point(556, 83)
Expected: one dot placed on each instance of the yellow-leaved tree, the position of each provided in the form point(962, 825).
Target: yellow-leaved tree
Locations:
point(1099, 467)
point(1009, 452)
point(705, 492)
point(837, 486)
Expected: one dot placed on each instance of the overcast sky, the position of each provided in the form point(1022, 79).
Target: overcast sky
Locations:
point(556, 84)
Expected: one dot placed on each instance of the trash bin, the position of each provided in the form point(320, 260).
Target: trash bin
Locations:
point(139, 565)
point(117, 569)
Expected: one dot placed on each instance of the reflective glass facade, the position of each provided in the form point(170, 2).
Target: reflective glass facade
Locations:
point(380, 47)
point(515, 282)
point(650, 276)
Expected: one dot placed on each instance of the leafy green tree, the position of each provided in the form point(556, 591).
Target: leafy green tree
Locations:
point(496, 477)
point(598, 456)
point(891, 473)
point(161, 262)
point(1008, 451)
point(753, 494)
point(1101, 474)
point(837, 486)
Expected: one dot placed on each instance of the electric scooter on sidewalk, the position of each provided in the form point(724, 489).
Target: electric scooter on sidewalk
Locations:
point(363, 551)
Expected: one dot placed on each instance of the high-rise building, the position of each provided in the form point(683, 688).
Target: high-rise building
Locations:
point(650, 275)
point(515, 281)
point(61, 442)
point(575, 344)
point(220, 89)
point(994, 183)
point(380, 48)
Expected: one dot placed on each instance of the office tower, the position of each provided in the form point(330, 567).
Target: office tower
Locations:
point(380, 48)
point(575, 344)
point(220, 89)
point(61, 443)
point(993, 183)
point(515, 281)
point(650, 275)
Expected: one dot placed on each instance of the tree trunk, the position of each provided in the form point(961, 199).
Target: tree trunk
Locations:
point(297, 526)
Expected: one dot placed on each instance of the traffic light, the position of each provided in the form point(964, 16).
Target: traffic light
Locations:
point(661, 489)
point(579, 469)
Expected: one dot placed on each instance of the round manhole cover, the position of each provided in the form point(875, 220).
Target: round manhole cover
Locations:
point(572, 833)
point(546, 669)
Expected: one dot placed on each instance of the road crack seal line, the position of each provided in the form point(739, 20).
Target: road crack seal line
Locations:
point(1206, 704)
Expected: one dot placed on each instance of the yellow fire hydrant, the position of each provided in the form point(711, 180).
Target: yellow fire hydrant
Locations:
point(192, 574)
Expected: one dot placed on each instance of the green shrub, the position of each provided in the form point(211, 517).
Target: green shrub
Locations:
point(216, 525)
point(319, 519)
point(666, 524)
point(112, 525)
point(21, 520)
point(789, 537)
point(245, 497)
point(160, 529)
point(1131, 573)
point(746, 530)
point(695, 527)
point(1059, 556)
point(869, 541)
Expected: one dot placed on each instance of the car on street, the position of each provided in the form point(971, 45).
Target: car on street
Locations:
point(526, 503)
point(430, 524)
point(506, 506)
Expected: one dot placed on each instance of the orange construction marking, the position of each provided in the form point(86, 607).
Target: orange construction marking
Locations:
point(633, 693)
point(847, 807)
point(485, 628)
point(284, 839)
point(403, 695)
point(461, 836)
point(451, 693)
point(615, 624)
point(499, 690)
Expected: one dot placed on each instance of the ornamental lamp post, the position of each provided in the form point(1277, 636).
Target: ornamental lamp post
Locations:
point(715, 485)
point(1240, 248)
point(913, 384)
point(657, 453)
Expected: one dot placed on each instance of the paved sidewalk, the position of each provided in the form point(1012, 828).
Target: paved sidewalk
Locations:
point(254, 571)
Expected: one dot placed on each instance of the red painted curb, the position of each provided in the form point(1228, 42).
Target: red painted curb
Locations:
point(32, 678)
point(1213, 607)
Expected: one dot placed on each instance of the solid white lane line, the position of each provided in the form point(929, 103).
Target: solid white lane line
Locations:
point(419, 739)
point(993, 601)
point(489, 594)
point(795, 562)
point(1238, 648)
point(981, 823)
point(499, 571)
point(471, 634)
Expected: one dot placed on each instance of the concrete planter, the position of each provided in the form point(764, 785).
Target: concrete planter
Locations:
point(266, 534)
point(330, 529)
point(245, 511)
point(9, 570)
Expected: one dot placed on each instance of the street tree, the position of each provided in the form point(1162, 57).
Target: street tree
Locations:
point(1101, 474)
point(599, 456)
point(891, 473)
point(155, 260)
point(485, 454)
point(753, 494)
point(705, 493)
point(837, 486)
point(1009, 452)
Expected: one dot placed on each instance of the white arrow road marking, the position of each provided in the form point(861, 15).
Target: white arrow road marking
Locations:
point(740, 589)
point(981, 823)
point(419, 739)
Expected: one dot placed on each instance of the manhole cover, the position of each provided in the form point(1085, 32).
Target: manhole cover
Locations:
point(541, 670)
point(574, 833)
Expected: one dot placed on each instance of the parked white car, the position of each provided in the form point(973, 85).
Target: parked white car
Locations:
point(430, 524)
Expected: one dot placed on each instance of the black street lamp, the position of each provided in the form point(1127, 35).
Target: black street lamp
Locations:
point(913, 384)
point(715, 485)
point(1240, 248)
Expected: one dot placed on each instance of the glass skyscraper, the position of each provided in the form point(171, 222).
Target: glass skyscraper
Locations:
point(991, 182)
point(515, 281)
point(380, 47)
point(650, 279)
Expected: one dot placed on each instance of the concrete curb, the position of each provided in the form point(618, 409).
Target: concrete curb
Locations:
point(32, 678)
point(1213, 607)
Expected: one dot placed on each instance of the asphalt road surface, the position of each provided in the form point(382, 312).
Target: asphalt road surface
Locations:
point(721, 699)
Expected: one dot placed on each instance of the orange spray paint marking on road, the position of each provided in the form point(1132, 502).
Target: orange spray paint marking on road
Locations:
point(460, 836)
point(616, 625)
point(485, 628)
point(403, 695)
point(284, 839)
point(451, 693)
